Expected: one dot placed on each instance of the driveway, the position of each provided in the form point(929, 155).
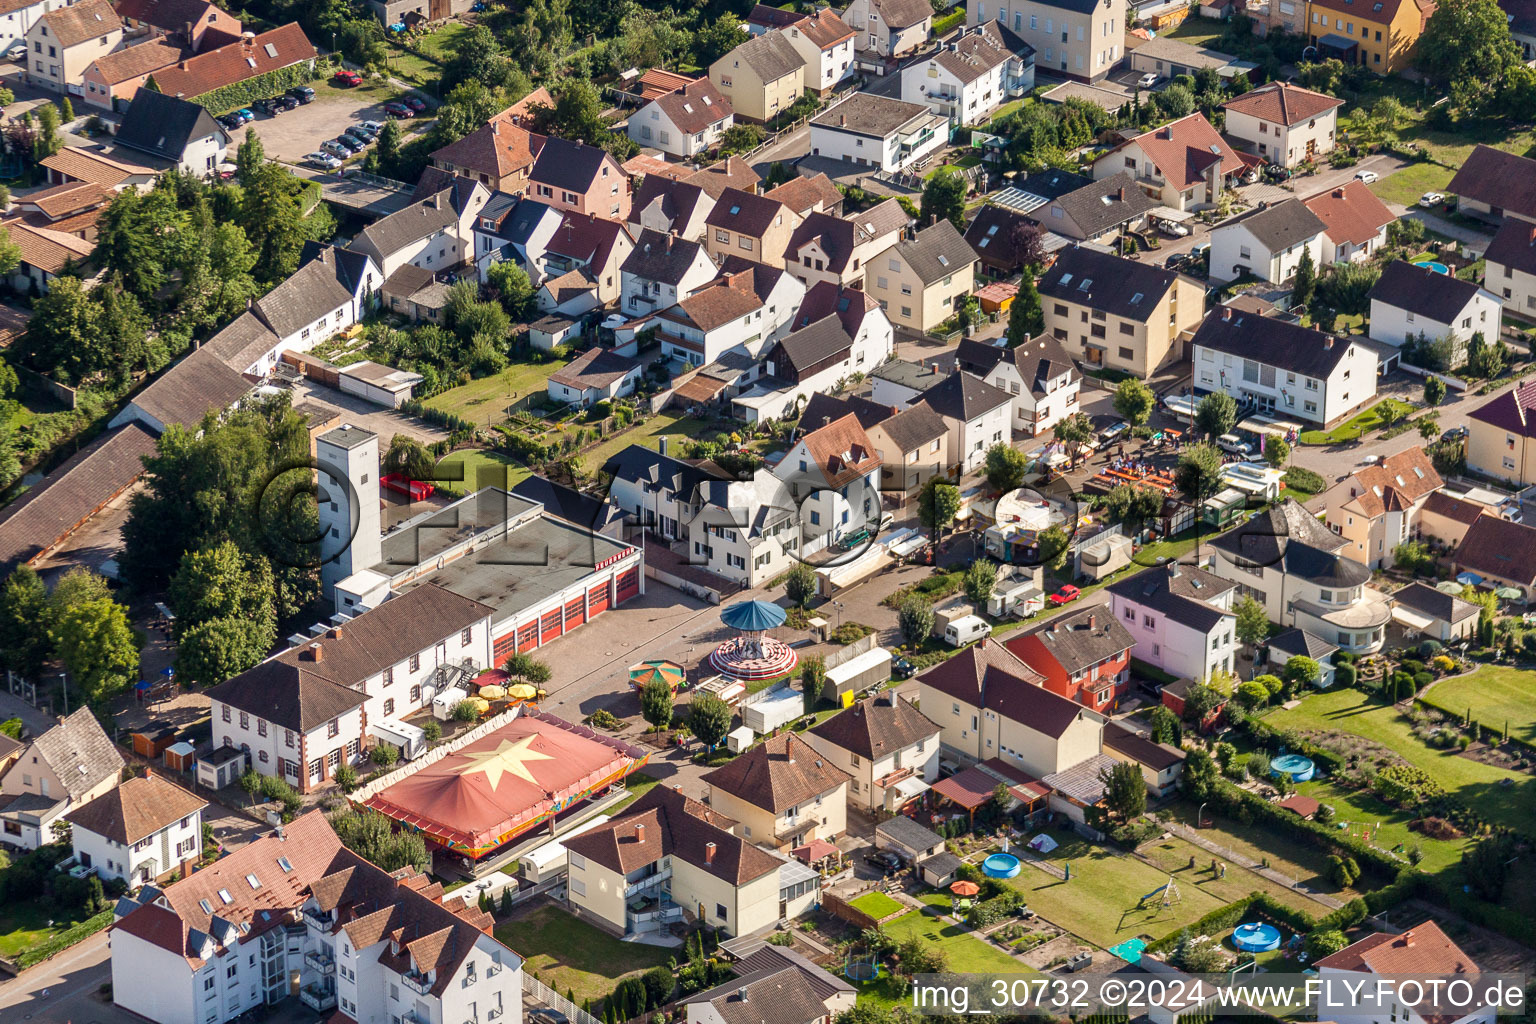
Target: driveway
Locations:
point(1325, 179)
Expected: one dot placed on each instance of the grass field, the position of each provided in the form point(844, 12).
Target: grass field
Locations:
point(877, 904)
point(1483, 787)
point(638, 785)
point(1099, 902)
point(1496, 694)
point(1172, 855)
point(1359, 424)
point(1388, 826)
point(24, 925)
point(480, 469)
point(1298, 860)
point(484, 401)
point(567, 953)
point(965, 952)
point(667, 424)
point(1196, 31)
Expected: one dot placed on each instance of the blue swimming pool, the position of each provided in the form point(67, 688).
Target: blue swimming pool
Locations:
point(1435, 265)
point(1256, 937)
point(1000, 865)
point(1300, 769)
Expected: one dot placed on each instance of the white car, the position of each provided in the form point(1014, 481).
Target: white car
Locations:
point(1148, 80)
point(374, 126)
point(1174, 228)
point(324, 161)
point(1367, 176)
point(1429, 199)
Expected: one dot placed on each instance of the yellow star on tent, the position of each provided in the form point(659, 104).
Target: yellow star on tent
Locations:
point(510, 756)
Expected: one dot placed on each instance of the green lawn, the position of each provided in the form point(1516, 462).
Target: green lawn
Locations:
point(667, 424)
point(638, 785)
point(1496, 694)
point(1356, 426)
point(24, 925)
point(1359, 810)
point(1197, 31)
point(1298, 860)
point(1483, 787)
point(1172, 855)
point(1412, 181)
point(1099, 902)
point(485, 401)
point(965, 952)
point(567, 953)
point(480, 469)
point(877, 905)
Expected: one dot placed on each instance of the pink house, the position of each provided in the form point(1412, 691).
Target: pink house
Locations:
point(578, 178)
point(117, 76)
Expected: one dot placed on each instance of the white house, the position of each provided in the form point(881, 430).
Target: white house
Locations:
point(66, 767)
point(833, 473)
point(435, 233)
point(1077, 39)
point(1410, 299)
point(877, 131)
point(1276, 368)
point(661, 270)
point(1266, 242)
point(1420, 950)
point(979, 416)
point(18, 21)
point(511, 227)
point(889, 28)
point(886, 744)
point(1180, 617)
point(1184, 164)
point(1284, 123)
point(826, 43)
point(596, 375)
point(968, 79)
point(685, 122)
point(296, 913)
point(1511, 267)
point(746, 309)
point(304, 713)
point(140, 832)
point(1354, 222)
point(1039, 374)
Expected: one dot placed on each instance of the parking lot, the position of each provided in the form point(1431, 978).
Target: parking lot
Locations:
point(288, 136)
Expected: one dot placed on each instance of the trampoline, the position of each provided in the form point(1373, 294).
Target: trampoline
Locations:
point(1000, 865)
point(861, 969)
point(1300, 769)
point(1256, 937)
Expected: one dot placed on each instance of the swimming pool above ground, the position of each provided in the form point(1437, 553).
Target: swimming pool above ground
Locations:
point(1300, 769)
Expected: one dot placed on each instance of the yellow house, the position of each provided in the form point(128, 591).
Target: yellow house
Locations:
point(762, 77)
point(782, 793)
point(64, 768)
point(1501, 436)
point(1377, 507)
point(1378, 34)
point(63, 43)
point(920, 282)
point(753, 227)
point(888, 746)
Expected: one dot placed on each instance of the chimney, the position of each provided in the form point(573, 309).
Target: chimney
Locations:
point(842, 120)
point(741, 993)
point(1328, 341)
point(314, 652)
point(1121, 193)
point(1173, 570)
point(661, 445)
point(1408, 937)
point(640, 832)
point(1093, 619)
point(334, 633)
point(149, 772)
point(1226, 312)
point(709, 854)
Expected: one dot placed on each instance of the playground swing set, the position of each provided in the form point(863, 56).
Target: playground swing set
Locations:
point(1169, 891)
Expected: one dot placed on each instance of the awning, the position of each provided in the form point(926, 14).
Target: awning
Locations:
point(1334, 41)
point(815, 850)
point(1410, 618)
point(1169, 213)
point(911, 788)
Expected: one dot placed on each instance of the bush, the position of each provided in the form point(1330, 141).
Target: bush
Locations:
point(384, 755)
point(1345, 675)
point(243, 94)
point(1304, 479)
point(465, 711)
point(431, 730)
point(346, 778)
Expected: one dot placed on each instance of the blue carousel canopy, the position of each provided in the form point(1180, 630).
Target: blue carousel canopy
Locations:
point(753, 616)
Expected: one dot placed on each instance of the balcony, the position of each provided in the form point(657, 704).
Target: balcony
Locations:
point(319, 918)
point(412, 1017)
point(418, 983)
point(320, 961)
point(648, 882)
point(319, 996)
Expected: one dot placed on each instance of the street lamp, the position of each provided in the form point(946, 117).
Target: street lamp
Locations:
point(64, 682)
point(838, 607)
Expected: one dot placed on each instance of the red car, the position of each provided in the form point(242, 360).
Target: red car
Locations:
point(415, 104)
point(393, 109)
point(347, 78)
point(1065, 595)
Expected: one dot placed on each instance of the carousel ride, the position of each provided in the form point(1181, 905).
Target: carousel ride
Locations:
point(753, 654)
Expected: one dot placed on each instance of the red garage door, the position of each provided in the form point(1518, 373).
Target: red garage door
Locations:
point(528, 636)
point(575, 614)
point(597, 600)
point(629, 584)
point(505, 645)
point(549, 626)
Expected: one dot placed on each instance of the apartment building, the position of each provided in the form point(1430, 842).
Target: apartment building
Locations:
point(1078, 39)
point(1377, 507)
point(1284, 123)
point(782, 794)
point(885, 744)
point(922, 280)
point(1180, 618)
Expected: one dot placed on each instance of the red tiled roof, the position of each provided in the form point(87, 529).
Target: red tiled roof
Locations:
point(271, 51)
point(1184, 149)
point(88, 19)
point(1282, 103)
point(1350, 213)
point(695, 106)
point(137, 61)
point(842, 451)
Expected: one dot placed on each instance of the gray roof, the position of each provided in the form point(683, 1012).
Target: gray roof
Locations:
point(1290, 536)
point(782, 996)
point(974, 54)
point(570, 165)
point(909, 833)
point(1098, 207)
point(312, 292)
point(902, 13)
point(1102, 281)
point(1084, 638)
point(1157, 756)
point(1280, 226)
point(674, 199)
point(1423, 292)
point(935, 252)
point(864, 113)
point(1163, 48)
point(770, 56)
point(811, 344)
point(188, 391)
point(79, 753)
point(770, 957)
point(1300, 643)
point(1181, 592)
point(877, 726)
point(661, 257)
point(417, 221)
point(1276, 343)
point(964, 396)
point(912, 428)
point(909, 375)
point(164, 125)
point(243, 341)
point(1081, 782)
point(1515, 244)
point(1431, 602)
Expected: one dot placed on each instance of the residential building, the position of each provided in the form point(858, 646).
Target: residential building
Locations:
point(807, 195)
point(913, 446)
point(112, 80)
point(1510, 271)
point(978, 416)
point(782, 996)
point(1092, 298)
point(751, 226)
point(877, 131)
point(922, 280)
point(1354, 222)
point(1276, 653)
point(747, 309)
point(782, 793)
point(730, 172)
point(594, 247)
point(1083, 656)
point(1444, 518)
point(1077, 39)
point(1266, 242)
point(1276, 368)
point(435, 233)
point(596, 375)
point(825, 43)
point(1283, 123)
point(1291, 564)
point(513, 228)
point(63, 42)
point(89, 164)
point(417, 12)
point(836, 993)
point(194, 25)
point(761, 78)
point(1184, 164)
point(1161, 764)
point(1039, 374)
point(174, 130)
point(1381, 38)
point(898, 383)
point(671, 207)
point(499, 155)
point(1436, 615)
point(302, 714)
point(1494, 184)
point(244, 59)
point(296, 913)
point(990, 704)
point(1500, 433)
point(679, 853)
point(139, 832)
point(970, 78)
point(661, 270)
point(1410, 300)
point(685, 122)
point(1377, 507)
point(763, 18)
point(64, 768)
point(581, 179)
point(1167, 57)
point(1180, 618)
point(1503, 553)
point(1522, 26)
point(1000, 237)
point(886, 744)
point(836, 333)
point(889, 28)
point(20, 17)
point(1098, 211)
point(1423, 950)
point(836, 249)
point(833, 473)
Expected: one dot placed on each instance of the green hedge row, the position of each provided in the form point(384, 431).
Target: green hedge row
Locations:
point(243, 94)
point(1231, 915)
point(415, 407)
point(62, 941)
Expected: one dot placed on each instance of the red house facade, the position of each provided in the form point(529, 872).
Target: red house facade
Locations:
point(1084, 656)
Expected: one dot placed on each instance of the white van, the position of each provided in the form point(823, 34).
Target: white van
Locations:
point(966, 630)
point(1234, 444)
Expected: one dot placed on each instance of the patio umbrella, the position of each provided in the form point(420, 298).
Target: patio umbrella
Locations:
point(964, 888)
point(753, 616)
point(493, 691)
point(1450, 587)
point(521, 691)
point(1471, 579)
point(1508, 594)
point(492, 677)
point(481, 705)
point(644, 673)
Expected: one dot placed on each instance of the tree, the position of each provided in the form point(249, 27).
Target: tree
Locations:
point(512, 286)
point(1324, 943)
point(373, 837)
point(1467, 45)
point(250, 157)
point(388, 146)
point(800, 584)
point(219, 649)
point(151, 84)
point(406, 457)
point(99, 647)
point(1252, 621)
point(476, 56)
point(813, 676)
point(1301, 671)
point(222, 582)
point(524, 666)
point(75, 588)
point(1197, 954)
point(1133, 504)
point(979, 580)
point(1134, 401)
point(1216, 414)
point(1277, 451)
point(1306, 280)
point(1166, 727)
point(1175, 101)
point(937, 505)
point(1198, 472)
point(1075, 431)
point(1125, 792)
point(270, 214)
point(915, 617)
point(1199, 701)
point(47, 142)
point(741, 138)
point(656, 703)
point(1428, 429)
point(1484, 360)
point(1026, 316)
point(1026, 239)
point(63, 337)
point(1347, 287)
point(710, 719)
point(1252, 694)
point(1201, 776)
point(1054, 545)
point(944, 199)
point(1005, 467)
point(24, 640)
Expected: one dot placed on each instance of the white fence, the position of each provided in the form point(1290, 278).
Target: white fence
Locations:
point(555, 1001)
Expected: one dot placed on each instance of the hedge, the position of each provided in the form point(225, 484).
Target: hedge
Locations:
point(243, 94)
point(1217, 920)
point(1222, 918)
point(59, 943)
point(1228, 798)
point(1294, 741)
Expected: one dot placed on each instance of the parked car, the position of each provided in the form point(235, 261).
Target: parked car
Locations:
point(1180, 405)
point(363, 132)
point(1367, 176)
point(1173, 227)
point(230, 122)
point(901, 668)
point(1455, 433)
point(244, 114)
point(286, 102)
point(358, 137)
point(351, 145)
point(885, 860)
point(347, 79)
point(415, 103)
point(1233, 444)
point(374, 126)
point(1430, 199)
point(394, 109)
point(336, 149)
point(1066, 595)
point(324, 161)
point(1148, 80)
point(302, 93)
